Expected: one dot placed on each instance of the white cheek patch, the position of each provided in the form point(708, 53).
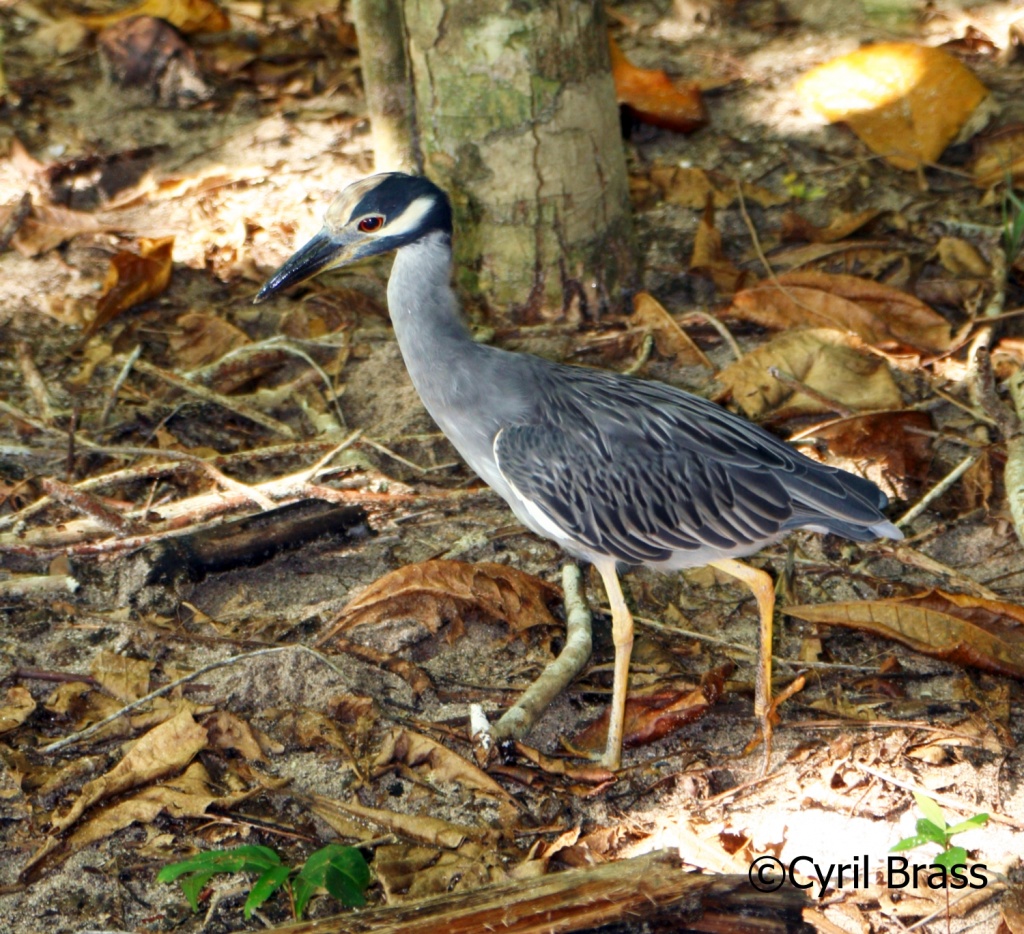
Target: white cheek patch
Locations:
point(409, 219)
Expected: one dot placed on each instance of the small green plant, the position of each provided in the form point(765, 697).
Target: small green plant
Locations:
point(341, 870)
point(800, 190)
point(1013, 223)
point(932, 828)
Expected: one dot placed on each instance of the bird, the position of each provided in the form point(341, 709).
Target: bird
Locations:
point(619, 471)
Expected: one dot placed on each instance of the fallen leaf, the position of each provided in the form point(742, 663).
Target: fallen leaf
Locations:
point(225, 730)
point(48, 226)
point(831, 363)
point(439, 591)
point(125, 678)
point(203, 338)
point(795, 227)
point(133, 278)
point(879, 314)
point(670, 339)
point(957, 628)
point(187, 795)
point(892, 449)
point(690, 187)
point(187, 16)
point(708, 258)
point(409, 873)
point(961, 258)
point(654, 97)
point(440, 763)
point(999, 157)
point(590, 773)
point(906, 102)
point(18, 706)
point(162, 751)
point(430, 830)
point(650, 717)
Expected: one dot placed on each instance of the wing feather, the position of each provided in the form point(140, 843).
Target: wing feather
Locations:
point(643, 472)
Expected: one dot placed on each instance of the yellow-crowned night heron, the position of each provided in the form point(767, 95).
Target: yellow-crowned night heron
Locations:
point(618, 471)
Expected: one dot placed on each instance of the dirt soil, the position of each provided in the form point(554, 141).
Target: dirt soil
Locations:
point(125, 441)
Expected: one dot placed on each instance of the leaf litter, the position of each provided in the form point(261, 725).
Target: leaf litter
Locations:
point(871, 282)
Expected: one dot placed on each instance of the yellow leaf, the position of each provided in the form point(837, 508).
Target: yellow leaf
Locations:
point(906, 102)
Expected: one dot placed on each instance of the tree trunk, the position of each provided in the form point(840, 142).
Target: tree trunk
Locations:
point(514, 114)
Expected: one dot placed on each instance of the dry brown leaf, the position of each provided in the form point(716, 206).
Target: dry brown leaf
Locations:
point(188, 16)
point(709, 260)
point(831, 363)
point(430, 830)
point(881, 315)
point(309, 729)
point(795, 227)
point(654, 97)
point(670, 340)
point(691, 187)
point(188, 795)
point(961, 258)
point(80, 701)
point(49, 225)
point(162, 751)
point(906, 102)
point(133, 278)
point(227, 731)
point(433, 592)
point(956, 628)
point(999, 157)
point(417, 750)
point(892, 449)
point(203, 338)
point(125, 678)
point(650, 717)
point(18, 706)
point(409, 873)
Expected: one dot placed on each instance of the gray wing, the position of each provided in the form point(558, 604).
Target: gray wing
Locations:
point(641, 471)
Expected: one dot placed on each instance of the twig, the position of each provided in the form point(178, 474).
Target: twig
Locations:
point(936, 491)
point(118, 383)
point(90, 505)
point(209, 395)
point(719, 326)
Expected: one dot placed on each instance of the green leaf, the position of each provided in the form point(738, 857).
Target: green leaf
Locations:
point(239, 859)
point(339, 869)
point(930, 831)
point(344, 888)
point(193, 886)
point(954, 856)
point(265, 886)
point(909, 843)
point(972, 823)
point(930, 810)
point(302, 892)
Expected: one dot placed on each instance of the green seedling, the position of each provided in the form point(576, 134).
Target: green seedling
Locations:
point(341, 870)
point(932, 828)
point(1013, 224)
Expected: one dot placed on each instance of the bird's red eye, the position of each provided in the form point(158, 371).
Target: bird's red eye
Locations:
point(372, 223)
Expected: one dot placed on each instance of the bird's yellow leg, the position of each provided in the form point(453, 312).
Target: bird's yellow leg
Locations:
point(764, 592)
point(622, 637)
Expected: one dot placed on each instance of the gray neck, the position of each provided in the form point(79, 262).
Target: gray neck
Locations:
point(469, 389)
point(424, 311)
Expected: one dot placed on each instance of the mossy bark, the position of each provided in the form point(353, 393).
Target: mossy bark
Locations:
point(514, 115)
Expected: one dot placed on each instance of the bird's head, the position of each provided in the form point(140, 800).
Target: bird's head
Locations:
point(371, 216)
